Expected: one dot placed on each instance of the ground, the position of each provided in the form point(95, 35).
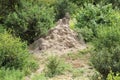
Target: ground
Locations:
point(81, 68)
point(64, 43)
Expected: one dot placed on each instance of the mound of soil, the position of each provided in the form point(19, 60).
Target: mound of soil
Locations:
point(60, 39)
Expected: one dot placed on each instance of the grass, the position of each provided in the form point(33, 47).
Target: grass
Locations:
point(6, 74)
point(78, 55)
point(77, 72)
point(40, 77)
point(56, 66)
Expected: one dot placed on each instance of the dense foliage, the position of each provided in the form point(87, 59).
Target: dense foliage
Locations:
point(33, 19)
point(6, 74)
point(13, 52)
point(107, 50)
point(91, 17)
point(111, 76)
point(31, 24)
point(62, 7)
point(55, 66)
point(115, 3)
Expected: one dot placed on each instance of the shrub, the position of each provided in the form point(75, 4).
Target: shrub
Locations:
point(6, 74)
point(81, 2)
point(72, 23)
point(112, 76)
point(107, 37)
point(46, 2)
point(2, 29)
point(107, 50)
point(14, 53)
point(63, 6)
point(115, 3)
point(105, 60)
point(86, 33)
point(55, 66)
point(93, 17)
point(31, 21)
point(40, 77)
point(8, 6)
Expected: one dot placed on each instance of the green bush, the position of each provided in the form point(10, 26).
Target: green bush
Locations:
point(63, 6)
point(92, 17)
point(40, 77)
point(81, 2)
point(86, 33)
point(14, 53)
point(105, 60)
point(31, 21)
point(107, 50)
point(112, 76)
point(94, 2)
point(115, 3)
point(55, 66)
point(2, 29)
point(6, 74)
point(46, 2)
point(8, 6)
point(107, 37)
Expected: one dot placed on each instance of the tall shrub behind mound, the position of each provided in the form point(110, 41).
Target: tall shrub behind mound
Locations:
point(94, 16)
point(14, 53)
point(61, 7)
point(7, 6)
point(32, 21)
